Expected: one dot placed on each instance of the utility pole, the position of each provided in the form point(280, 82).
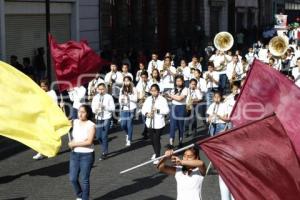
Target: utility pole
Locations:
point(47, 41)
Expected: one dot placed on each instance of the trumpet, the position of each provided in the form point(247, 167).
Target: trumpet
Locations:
point(112, 79)
point(179, 70)
point(165, 68)
point(152, 112)
point(189, 104)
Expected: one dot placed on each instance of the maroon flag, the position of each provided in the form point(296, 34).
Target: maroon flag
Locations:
point(266, 91)
point(75, 63)
point(256, 161)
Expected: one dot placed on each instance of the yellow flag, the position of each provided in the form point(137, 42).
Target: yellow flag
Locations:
point(28, 114)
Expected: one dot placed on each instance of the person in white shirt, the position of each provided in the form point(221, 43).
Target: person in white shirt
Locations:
point(250, 56)
point(114, 81)
point(192, 100)
point(272, 63)
point(185, 71)
point(103, 107)
point(51, 93)
point(195, 63)
point(92, 87)
point(212, 81)
point(167, 73)
point(189, 173)
point(178, 110)
point(139, 72)
point(82, 154)
point(77, 96)
point(128, 103)
point(234, 70)
point(155, 108)
point(217, 115)
point(154, 63)
point(201, 82)
point(142, 89)
point(125, 72)
point(296, 73)
point(263, 54)
point(155, 79)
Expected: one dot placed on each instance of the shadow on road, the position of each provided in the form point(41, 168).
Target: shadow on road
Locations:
point(139, 185)
point(56, 170)
point(160, 197)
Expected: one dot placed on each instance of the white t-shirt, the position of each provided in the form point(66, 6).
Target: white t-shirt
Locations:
point(229, 102)
point(202, 85)
point(107, 102)
point(184, 92)
point(53, 95)
point(189, 186)
point(155, 65)
point(80, 133)
point(211, 84)
point(77, 95)
point(160, 104)
point(234, 66)
point(167, 78)
point(128, 102)
point(198, 66)
point(219, 109)
point(296, 74)
point(186, 72)
point(195, 94)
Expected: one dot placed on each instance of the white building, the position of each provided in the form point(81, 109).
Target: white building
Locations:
point(23, 25)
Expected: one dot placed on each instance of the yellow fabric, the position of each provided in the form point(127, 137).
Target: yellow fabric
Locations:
point(28, 114)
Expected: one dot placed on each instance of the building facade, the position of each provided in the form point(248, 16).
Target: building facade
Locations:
point(23, 25)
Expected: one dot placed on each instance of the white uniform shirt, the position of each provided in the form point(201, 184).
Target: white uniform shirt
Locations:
point(211, 84)
point(168, 79)
point(296, 74)
point(53, 96)
point(118, 79)
point(198, 66)
point(107, 102)
point(160, 104)
point(250, 57)
point(127, 74)
point(154, 64)
point(128, 102)
point(138, 74)
point(229, 102)
point(77, 95)
point(186, 72)
point(160, 84)
point(234, 66)
point(195, 94)
point(80, 133)
point(189, 186)
point(184, 92)
point(202, 85)
point(219, 109)
point(93, 84)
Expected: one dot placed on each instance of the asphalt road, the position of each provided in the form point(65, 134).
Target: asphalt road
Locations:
point(23, 178)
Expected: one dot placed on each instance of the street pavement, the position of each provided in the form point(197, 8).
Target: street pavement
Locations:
point(23, 178)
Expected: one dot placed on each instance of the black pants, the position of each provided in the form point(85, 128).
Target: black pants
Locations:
point(155, 139)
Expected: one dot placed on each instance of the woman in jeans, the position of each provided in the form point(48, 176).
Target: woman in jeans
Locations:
point(128, 104)
point(82, 155)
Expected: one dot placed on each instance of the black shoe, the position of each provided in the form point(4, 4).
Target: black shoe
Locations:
point(187, 135)
point(145, 137)
point(180, 145)
point(103, 156)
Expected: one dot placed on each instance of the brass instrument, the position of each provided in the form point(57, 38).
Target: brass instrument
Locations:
point(93, 90)
point(112, 80)
point(142, 96)
point(278, 45)
point(152, 113)
point(223, 41)
point(179, 70)
point(165, 68)
point(100, 111)
point(189, 105)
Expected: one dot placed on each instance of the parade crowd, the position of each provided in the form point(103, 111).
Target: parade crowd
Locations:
point(169, 94)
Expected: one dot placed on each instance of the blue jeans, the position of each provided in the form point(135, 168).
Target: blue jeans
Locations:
point(81, 164)
point(127, 122)
point(102, 134)
point(191, 120)
point(74, 113)
point(214, 128)
point(177, 117)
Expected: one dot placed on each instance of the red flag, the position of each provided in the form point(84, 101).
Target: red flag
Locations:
point(266, 91)
point(75, 63)
point(256, 161)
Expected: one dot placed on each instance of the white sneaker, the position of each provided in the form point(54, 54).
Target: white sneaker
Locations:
point(38, 156)
point(78, 198)
point(155, 162)
point(153, 156)
point(128, 143)
point(171, 141)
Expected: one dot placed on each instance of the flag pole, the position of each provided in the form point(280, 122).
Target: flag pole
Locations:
point(159, 158)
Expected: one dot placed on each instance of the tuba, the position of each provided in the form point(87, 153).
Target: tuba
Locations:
point(223, 41)
point(278, 45)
